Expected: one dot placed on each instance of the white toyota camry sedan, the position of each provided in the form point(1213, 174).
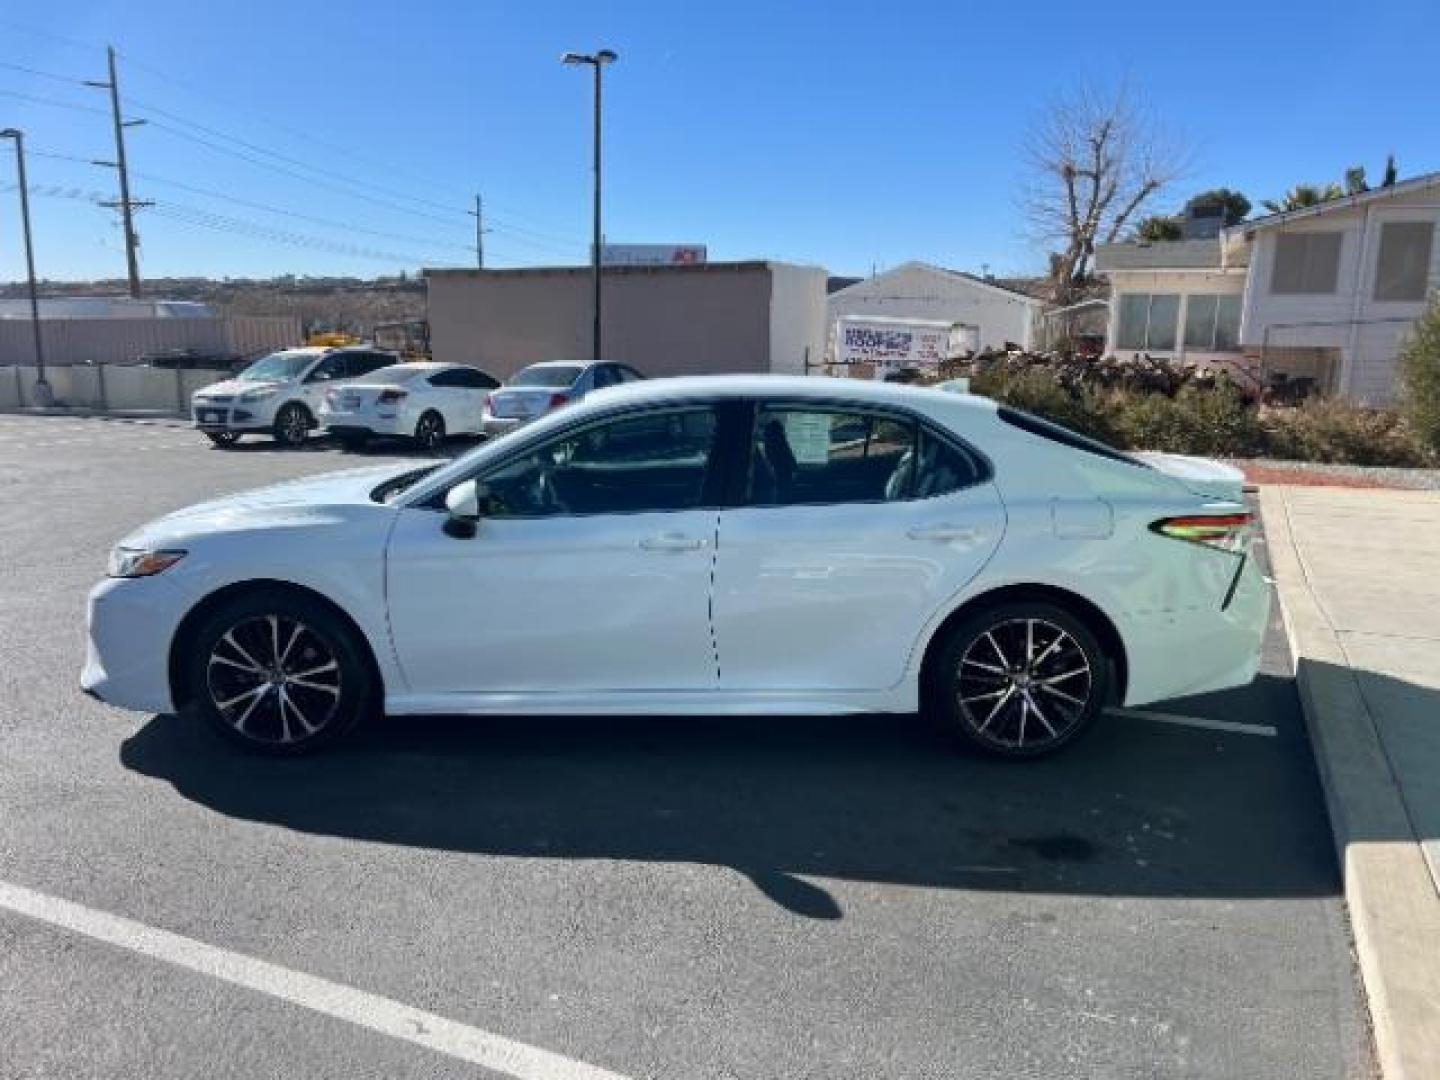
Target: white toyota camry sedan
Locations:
point(749, 544)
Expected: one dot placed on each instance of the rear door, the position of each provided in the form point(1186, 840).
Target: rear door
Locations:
point(856, 525)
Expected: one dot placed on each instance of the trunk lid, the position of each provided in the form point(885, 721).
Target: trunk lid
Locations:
point(1204, 476)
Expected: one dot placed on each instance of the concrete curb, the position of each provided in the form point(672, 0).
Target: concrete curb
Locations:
point(1393, 903)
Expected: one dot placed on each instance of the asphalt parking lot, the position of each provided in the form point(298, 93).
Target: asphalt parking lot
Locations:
point(658, 898)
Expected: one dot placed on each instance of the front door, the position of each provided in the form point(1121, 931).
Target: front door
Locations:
point(856, 527)
point(590, 571)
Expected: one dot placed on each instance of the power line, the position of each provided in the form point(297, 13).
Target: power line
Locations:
point(55, 103)
point(42, 74)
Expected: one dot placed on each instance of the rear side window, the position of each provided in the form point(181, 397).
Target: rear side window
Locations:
point(364, 363)
point(809, 457)
point(942, 468)
point(1047, 429)
point(465, 379)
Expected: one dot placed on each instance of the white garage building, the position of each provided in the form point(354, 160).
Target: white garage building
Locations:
point(918, 290)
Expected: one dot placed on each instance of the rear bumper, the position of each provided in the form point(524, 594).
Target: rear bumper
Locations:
point(342, 425)
point(130, 624)
point(496, 425)
point(1177, 653)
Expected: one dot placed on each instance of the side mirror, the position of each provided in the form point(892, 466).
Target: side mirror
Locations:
point(466, 502)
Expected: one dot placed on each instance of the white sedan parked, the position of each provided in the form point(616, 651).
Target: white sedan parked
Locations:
point(757, 544)
point(423, 401)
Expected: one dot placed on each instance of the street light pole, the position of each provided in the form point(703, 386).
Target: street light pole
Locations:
point(42, 387)
point(597, 61)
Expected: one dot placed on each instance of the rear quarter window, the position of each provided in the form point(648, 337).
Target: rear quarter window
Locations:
point(1048, 429)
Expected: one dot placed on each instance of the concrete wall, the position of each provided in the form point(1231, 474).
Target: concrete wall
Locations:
point(1366, 333)
point(122, 341)
point(710, 319)
point(106, 387)
point(921, 291)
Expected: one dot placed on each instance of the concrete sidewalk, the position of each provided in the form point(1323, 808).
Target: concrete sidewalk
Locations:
point(1358, 575)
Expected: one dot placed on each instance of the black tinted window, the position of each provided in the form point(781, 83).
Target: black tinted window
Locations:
point(813, 456)
point(477, 380)
point(1048, 429)
point(364, 363)
point(447, 378)
point(649, 462)
point(942, 468)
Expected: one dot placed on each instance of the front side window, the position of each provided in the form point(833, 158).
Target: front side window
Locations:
point(1148, 321)
point(654, 461)
point(1402, 269)
point(1306, 263)
point(332, 367)
point(804, 456)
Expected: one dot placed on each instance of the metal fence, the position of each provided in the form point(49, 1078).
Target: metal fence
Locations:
point(70, 342)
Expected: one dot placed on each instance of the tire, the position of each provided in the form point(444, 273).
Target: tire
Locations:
point(282, 700)
point(292, 424)
point(223, 439)
point(353, 444)
point(430, 430)
point(1018, 680)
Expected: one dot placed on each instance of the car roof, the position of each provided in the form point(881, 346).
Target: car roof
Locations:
point(565, 363)
point(818, 387)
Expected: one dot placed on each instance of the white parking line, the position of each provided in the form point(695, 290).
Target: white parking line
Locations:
point(380, 1014)
point(1197, 722)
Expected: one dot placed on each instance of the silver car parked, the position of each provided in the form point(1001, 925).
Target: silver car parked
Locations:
point(541, 388)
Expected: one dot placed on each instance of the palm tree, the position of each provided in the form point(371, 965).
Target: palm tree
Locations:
point(1303, 195)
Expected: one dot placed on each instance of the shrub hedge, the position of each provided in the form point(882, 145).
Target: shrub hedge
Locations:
point(1214, 419)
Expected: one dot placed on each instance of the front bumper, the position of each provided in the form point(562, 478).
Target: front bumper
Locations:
point(230, 417)
point(130, 624)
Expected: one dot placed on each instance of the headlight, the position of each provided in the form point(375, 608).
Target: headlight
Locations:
point(257, 395)
point(134, 562)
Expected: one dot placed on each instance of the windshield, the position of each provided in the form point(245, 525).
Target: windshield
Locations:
point(546, 375)
point(280, 365)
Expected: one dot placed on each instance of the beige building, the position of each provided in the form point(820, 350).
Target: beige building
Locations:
point(715, 318)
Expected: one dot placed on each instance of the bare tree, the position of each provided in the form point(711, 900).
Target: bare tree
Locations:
point(1095, 160)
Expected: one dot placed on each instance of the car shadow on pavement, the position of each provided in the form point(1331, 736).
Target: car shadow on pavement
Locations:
point(1134, 809)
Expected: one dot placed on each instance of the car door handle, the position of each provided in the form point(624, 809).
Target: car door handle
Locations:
point(942, 532)
point(672, 542)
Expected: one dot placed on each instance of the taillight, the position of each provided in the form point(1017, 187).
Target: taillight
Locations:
point(1228, 532)
point(389, 397)
point(329, 397)
point(490, 404)
point(557, 400)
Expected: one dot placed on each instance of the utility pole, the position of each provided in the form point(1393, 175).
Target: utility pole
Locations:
point(479, 215)
point(42, 387)
point(126, 205)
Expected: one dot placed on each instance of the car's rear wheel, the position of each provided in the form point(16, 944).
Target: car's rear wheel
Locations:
point(223, 439)
point(430, 430)
point(278, 672)
point(1019, 680)
point(292, 424)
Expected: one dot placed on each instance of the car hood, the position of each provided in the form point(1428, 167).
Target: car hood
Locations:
point(239, 386)
point(312, 500)
point(1204, 476)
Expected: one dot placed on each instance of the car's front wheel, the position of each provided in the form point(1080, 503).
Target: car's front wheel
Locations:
point(1019, 680)
point(292, 424)
point(278, 672)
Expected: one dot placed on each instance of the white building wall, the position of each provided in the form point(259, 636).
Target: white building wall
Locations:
point(920, 291)
point(1366, 333)
point(797, 318)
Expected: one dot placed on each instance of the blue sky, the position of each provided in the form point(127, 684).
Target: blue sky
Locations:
point(845, 134)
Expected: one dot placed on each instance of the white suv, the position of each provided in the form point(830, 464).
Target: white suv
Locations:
point(280, 394)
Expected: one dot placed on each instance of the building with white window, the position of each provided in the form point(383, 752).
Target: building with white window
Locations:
point(1324, 295)
point(1176, 300)
point(1334, 289)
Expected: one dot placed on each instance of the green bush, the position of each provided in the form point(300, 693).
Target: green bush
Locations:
point(1342, 434)
point(1214, 418)
point(1420, 377)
